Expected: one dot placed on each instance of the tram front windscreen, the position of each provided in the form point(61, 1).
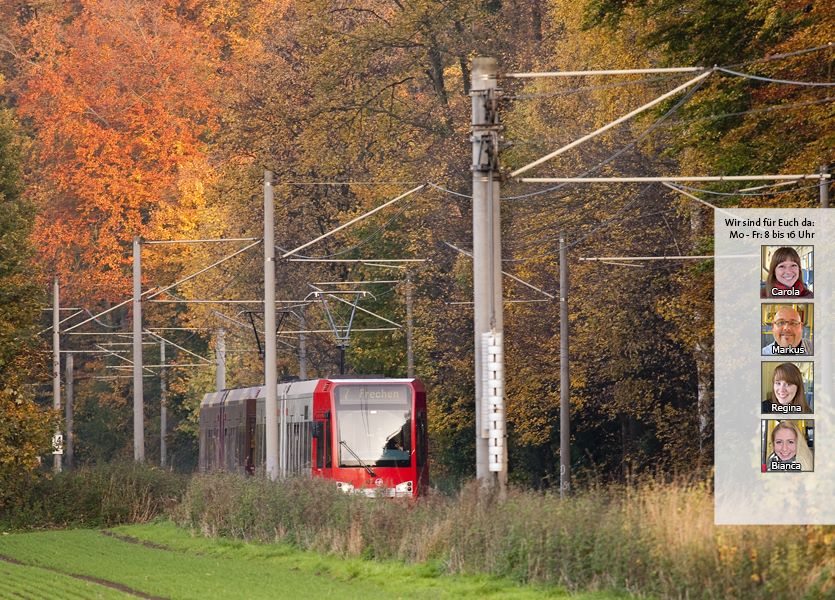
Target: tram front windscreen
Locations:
point(373, 424)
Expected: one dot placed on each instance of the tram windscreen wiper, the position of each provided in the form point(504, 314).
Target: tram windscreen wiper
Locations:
point(359, 460)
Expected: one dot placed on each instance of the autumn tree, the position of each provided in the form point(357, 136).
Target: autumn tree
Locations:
point(118, 94)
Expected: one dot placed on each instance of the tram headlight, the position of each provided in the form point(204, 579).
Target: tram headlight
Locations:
point(345, 487)
point(403, 489)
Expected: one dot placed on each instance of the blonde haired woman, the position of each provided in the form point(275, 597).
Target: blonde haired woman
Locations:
point(787, 447)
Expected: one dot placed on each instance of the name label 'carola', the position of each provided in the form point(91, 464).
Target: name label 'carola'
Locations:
point(779, 292)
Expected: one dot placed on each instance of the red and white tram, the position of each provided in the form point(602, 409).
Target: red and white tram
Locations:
point(368, 435)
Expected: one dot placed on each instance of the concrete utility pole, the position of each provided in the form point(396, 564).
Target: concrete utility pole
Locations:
point(491, 448)
point(220, 359)
point(69, 408)
point(138, 400)
point(163, 406)
point(824, 187)
point(565, 387)
point(410, 357)
point(57, 442)
point(270, 370)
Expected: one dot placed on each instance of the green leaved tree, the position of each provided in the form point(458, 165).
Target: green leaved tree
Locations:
point(25, 427)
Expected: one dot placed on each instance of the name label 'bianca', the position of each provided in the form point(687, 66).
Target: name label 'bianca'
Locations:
point(776, 465)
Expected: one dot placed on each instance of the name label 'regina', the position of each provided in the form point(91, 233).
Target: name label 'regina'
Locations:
point(779, 292)
point(785, 408)
point(776, 465)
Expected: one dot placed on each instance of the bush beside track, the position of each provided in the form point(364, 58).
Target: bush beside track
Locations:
point(104, 495)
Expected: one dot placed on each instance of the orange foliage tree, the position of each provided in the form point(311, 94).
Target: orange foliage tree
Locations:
point(118, 94)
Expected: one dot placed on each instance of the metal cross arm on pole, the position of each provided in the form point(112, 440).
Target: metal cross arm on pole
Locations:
point(91, 351)
point(357, 282)
point(364, 329)
point(166, 366)
point(673, 178)
point(354, 220)
point(533, 75)
point(359, 260)
point(682, 257)
point(614, 123)
point(208, 240)
point(615, 258)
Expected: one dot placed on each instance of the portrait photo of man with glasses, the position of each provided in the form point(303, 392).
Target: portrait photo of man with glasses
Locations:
point(790, 329)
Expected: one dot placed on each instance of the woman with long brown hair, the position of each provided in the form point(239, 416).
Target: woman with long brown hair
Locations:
point(788, 394)
point(784, 278)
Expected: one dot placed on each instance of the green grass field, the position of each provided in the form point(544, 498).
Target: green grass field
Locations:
point(163, 561)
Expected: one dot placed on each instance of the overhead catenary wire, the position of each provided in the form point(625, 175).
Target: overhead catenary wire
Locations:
point(717, 116)
point(697, 199)
point(152, 293)
point(609, 159)
point(611, 220)
point(747, 194)
point(612, 124)
point(360, 243)
point(644, 134)
point(618, 217)
point(341, 183)
point(511, 276)
point(753, 111)
point(783, 55)
point(773, 80)
point(354, 220)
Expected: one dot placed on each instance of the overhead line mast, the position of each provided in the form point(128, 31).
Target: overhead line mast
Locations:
point(488, 317)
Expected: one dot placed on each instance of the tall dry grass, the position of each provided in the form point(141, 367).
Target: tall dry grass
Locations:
point(655, 538)
point(101, 495)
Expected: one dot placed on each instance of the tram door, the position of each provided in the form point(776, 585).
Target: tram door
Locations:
point(249, 437)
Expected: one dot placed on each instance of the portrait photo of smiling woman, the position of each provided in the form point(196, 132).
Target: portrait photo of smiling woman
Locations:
point(788, 445)
point(787, 272)
point(787, 388)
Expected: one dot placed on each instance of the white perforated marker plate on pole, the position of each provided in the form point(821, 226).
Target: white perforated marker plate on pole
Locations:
point(493, 412)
